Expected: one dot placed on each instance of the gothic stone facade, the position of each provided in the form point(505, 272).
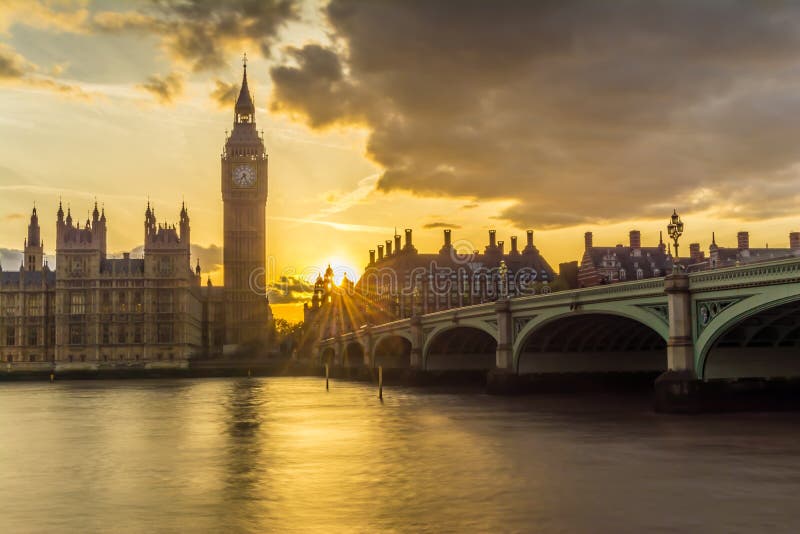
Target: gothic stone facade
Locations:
point(93, 310)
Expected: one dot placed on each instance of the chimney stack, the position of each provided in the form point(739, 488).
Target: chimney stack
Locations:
point(694, 252)
point(492, 238)
point(447, 239)
point(743, 240)
point(636, 239)
point(380, 252)
point(530, 239)
point(388, 247)
point(500, 245)
point(408, 238)
point(794, 241)
point(514, 245)
point(587, 240)
point(371, 257)
point(396, 243)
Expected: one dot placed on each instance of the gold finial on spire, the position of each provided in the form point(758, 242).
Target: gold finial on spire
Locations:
point(244, 60)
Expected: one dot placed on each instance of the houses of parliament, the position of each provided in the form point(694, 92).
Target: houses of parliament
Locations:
point(94, 311)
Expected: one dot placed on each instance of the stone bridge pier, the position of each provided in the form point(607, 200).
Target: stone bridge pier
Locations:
point(678, 388)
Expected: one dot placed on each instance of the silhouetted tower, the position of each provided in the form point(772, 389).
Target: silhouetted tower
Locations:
point(244, 195)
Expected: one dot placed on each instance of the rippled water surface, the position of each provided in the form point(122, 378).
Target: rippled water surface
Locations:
point(282, 455)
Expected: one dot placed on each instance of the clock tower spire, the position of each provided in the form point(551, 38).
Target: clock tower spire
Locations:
point(244, 196)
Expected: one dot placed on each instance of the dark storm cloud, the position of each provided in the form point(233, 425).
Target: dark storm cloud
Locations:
point(583, 111)
point(164, 88)
point(201, 32)
point(317, 87)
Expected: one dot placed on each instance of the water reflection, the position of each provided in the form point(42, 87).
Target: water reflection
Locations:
point(283, 455)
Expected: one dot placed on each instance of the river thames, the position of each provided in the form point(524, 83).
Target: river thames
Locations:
point(284, 455)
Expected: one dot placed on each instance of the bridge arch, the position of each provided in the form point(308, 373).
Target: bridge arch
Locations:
point(354, 355)
point(592, 341)
point(463, 346)
point(392, 351)
point(758, 336)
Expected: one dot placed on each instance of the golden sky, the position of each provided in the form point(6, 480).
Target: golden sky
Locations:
point(376, 115)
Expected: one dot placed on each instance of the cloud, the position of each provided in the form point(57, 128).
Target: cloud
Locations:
point(11, 63)
point(316, 87)
point(197, 35)
point(14, 217)
point(210, 257)
point(432, 225)
point(581, 112)
point(10, 259)
point(344, 201)
point(201, 33)
point(344, 227)
point(290, 289)
point(164, 88)
point(224, 94)
point(59, 16)
point(16, 69)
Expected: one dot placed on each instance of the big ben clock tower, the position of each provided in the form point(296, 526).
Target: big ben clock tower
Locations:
point(244, 196)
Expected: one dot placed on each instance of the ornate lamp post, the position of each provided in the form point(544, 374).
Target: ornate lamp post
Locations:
point(503, 272)
point(675, 230)
point(415, 300)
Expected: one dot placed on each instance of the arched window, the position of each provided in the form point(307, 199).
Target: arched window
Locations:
point(639, 274)
point(622, 274)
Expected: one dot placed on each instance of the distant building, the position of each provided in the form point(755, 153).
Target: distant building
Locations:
point(399, 282)
point(610, 264)
point(332, 309)
point(618, 263)
point(743, 253)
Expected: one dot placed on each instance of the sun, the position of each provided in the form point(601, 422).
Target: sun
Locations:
point(341, 266)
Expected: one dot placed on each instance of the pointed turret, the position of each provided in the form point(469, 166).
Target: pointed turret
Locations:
point(34, 250)
point(69, 216)
point(184, 226)
point(95, 212)
point(244, 110)
point(60, 213)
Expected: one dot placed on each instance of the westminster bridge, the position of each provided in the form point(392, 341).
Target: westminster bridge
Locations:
point(731, 323)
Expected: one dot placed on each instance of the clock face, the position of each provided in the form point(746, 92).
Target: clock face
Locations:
point(244, 176)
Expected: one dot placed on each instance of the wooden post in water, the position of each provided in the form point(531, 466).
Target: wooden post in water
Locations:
point(380, 382)
point(327, 373)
